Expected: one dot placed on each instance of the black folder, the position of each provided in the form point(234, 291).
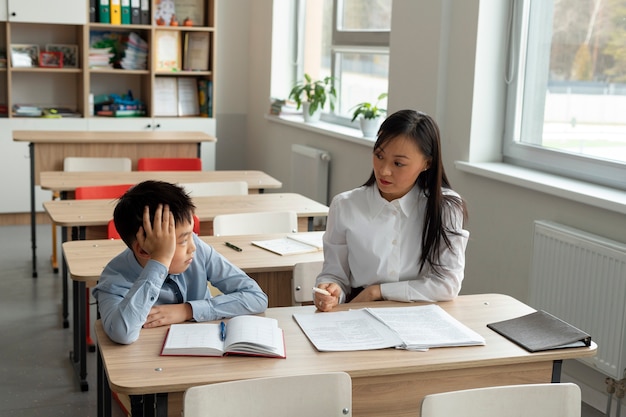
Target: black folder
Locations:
point(541, 331)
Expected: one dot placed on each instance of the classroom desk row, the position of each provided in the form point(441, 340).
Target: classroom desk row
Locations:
point(384, 382)
point(85, 260)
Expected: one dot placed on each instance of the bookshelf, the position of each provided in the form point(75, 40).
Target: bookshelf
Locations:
point(71, 26)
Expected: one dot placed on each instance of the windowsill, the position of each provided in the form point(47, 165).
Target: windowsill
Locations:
point(340, 132)
point(579, 191)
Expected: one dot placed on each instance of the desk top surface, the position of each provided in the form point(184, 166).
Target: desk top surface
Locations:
point(71, 213)
point(87, 258)
point(78, 136)
point(139, 369)
point(68, 181)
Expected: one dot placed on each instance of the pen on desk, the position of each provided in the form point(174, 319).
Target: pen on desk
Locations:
point(321, 291)
point(230, 245)
point(222, 331)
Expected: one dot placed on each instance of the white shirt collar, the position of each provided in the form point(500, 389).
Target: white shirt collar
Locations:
point(407, 203)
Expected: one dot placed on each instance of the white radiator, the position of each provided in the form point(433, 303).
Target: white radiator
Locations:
point(309, 172)
point(581, 278)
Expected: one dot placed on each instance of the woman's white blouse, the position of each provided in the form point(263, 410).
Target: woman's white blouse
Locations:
point(369, 240)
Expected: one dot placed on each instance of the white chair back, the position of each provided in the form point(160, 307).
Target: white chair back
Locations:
point(255, 223)
point(530, 400)
point(75, 163)
point(304, 275)
point(206, 189)
point(314, 395)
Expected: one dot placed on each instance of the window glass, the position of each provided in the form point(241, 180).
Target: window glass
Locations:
point(567, 96)
point(364, 15)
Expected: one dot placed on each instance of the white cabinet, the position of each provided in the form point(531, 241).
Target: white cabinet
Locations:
point(181, 124)
point(71, 12)
point(3, 10)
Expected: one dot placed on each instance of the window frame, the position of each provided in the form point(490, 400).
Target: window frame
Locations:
point(528, 29)
point(345, 42)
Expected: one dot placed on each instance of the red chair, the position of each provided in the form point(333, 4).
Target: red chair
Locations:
point(97, 192)
point(101, 192)
point(169, 164)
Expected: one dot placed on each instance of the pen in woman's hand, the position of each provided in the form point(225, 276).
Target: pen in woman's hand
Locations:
point(320, 291)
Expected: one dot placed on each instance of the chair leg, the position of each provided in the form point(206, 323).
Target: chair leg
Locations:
point(90, 344)
point(53, 257)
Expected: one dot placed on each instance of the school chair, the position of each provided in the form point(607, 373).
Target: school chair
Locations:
point(255, 223)
point(529, 400)
point(313, 395)
point(304, 276)
point(169, 164)
point(206, 189)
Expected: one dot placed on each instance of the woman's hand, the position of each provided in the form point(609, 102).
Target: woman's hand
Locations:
point(327, 302)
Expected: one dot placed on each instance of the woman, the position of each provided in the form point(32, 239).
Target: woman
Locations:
point(400, 235)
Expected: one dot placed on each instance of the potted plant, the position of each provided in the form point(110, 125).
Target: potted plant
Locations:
point(370, 115)
point(312, 96)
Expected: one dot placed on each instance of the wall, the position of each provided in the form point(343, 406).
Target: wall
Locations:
point(433, 59)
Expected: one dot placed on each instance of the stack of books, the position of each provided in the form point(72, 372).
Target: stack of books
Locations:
point(100, 58)
point(135, 53)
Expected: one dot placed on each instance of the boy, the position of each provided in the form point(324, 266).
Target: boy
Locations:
point(161, 278)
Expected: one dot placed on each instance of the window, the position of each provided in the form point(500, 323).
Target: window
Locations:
point(566, 101)
point(345, 39)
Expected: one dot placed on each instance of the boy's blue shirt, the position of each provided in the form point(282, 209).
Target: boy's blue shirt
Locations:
point(126, 292)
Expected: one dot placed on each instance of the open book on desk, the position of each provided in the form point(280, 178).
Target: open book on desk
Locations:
point(242, 335)
point(293, 243)
point(411, 328)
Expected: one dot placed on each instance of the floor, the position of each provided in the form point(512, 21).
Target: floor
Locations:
point(37, 377)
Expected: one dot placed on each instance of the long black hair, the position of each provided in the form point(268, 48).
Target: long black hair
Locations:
point(424, 132)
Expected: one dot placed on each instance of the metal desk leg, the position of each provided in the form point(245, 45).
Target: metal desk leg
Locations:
point(556, 371)
point(33, 215)
point(104, 390)
point(66, 313)
point(79, 356)
point(149, 405)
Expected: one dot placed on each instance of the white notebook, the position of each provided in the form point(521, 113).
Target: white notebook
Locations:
point(293, 243)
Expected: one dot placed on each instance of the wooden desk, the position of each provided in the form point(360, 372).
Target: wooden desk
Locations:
point(258, 181)
point(386, 382)
point(75, 213)
point(86, 259)
point(48, 149)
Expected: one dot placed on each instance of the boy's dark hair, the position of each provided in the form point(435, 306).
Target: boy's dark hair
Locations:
point(128, 213)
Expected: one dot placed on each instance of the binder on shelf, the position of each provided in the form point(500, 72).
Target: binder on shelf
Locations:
point(93, 11)
point(145, 12)
point(104, 12)
point(135, 12)
point(126, 12)
point(116, 12)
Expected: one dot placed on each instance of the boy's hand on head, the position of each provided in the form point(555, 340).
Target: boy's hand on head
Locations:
point(158, 239)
